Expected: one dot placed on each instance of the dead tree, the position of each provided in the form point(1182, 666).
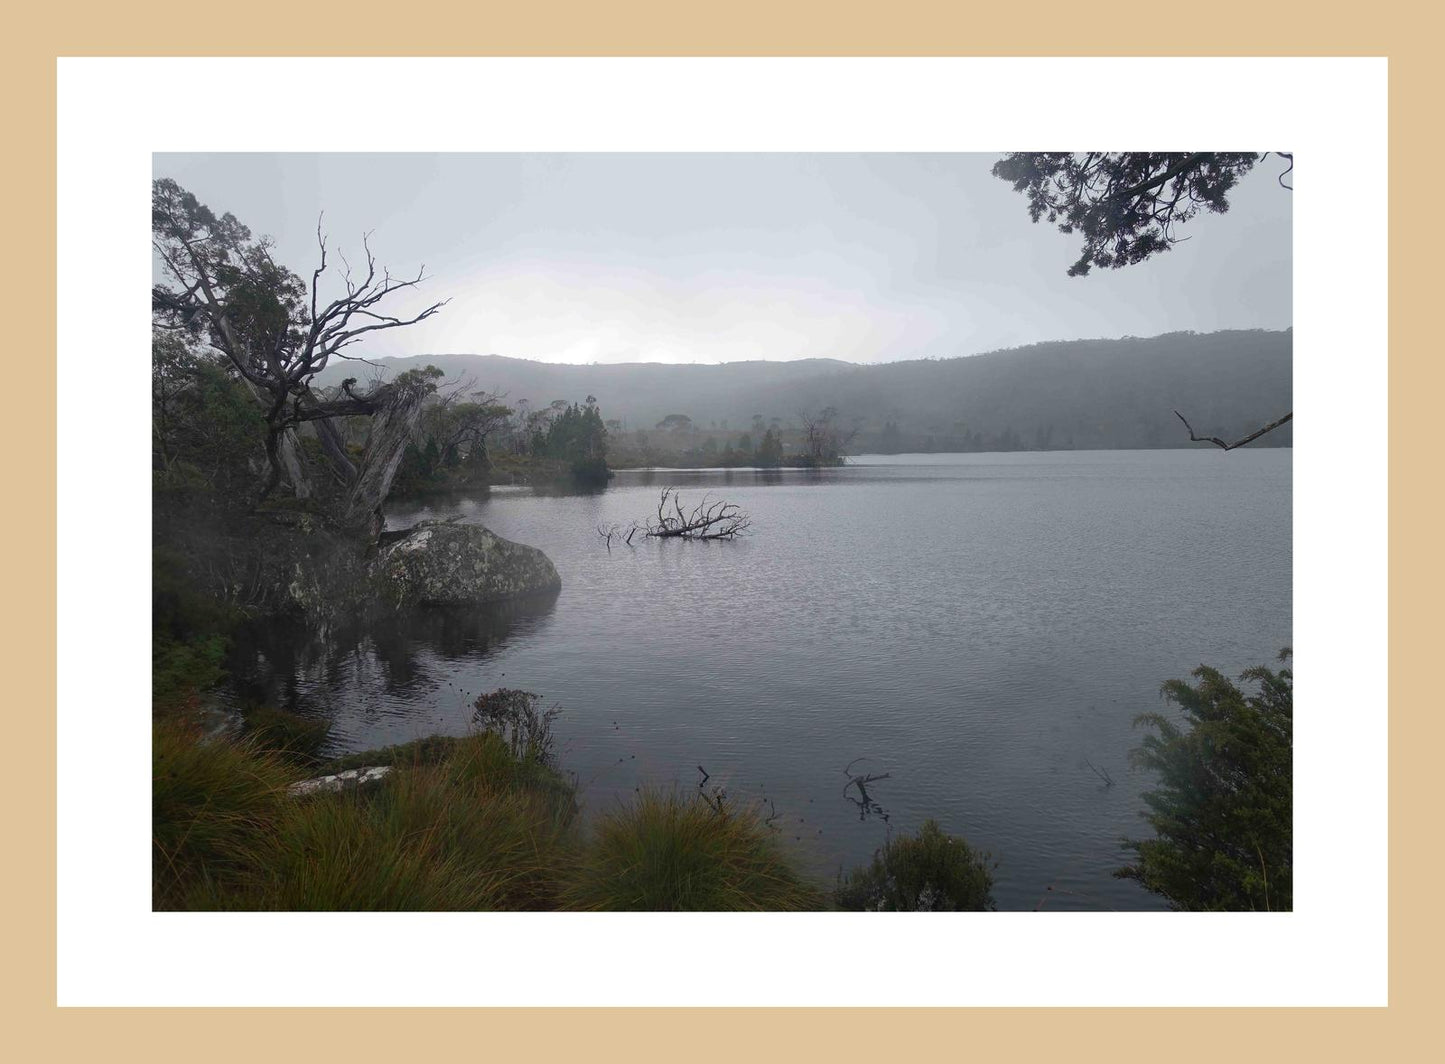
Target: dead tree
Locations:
point(824, 442)
point(225, 288)
point(707, 520)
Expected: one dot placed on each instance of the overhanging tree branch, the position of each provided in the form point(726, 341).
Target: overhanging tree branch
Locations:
point(1256, 434)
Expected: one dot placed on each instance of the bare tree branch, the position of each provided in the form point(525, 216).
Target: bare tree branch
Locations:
point(708, 520)
point(1237, 443)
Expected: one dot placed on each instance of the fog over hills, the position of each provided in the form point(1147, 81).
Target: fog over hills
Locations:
point(1074, 394)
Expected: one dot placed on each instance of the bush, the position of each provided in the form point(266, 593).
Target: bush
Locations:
point(517, 718)
point(591, 471)
point(931, 871)
point(189, 634)
point(181, 669)
point(1223, 812)
point(667, 852)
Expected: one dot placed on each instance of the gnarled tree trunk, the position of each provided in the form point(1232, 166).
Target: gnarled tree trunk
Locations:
point(392, 427)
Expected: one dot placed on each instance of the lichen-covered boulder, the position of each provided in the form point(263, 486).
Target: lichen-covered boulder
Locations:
point(441, 563)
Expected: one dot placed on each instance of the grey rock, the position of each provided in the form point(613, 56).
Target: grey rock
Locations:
point(341, 781)
point(443, 563)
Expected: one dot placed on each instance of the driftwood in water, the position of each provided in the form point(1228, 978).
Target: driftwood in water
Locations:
point(707, 520)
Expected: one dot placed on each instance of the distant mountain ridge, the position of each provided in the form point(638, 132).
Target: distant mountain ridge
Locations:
point(1058, 395)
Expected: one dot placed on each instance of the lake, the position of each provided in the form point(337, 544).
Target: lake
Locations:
point(981, 628)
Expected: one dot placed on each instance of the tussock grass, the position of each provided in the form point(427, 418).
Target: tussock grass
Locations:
point(210, 802)
point(459, 824)
point(291, 735)
point(476, 830)
point(672, 852)
point(471, 828)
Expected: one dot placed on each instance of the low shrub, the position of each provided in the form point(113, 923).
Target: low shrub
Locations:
point(930, 871)
point(181, 669)
point(517, 717)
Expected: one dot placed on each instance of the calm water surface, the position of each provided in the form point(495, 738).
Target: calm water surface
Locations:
point(979, 627)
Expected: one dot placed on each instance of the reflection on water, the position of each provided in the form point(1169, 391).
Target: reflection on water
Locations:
point(320, 673)
point(982, 629)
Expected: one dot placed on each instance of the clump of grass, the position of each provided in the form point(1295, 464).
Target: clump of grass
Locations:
point(210, 801)
point(930, 871)
point(459, 824)
point(425, 751)
point(476, 831)
point(291, 735)
point(473, 828)
point(669, 852)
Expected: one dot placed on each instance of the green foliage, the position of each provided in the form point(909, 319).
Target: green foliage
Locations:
point(770, 450)
point(578, 437)
point(1223, 810)
point(667, 852)
point(181, 668)
point(930, 871)
point(265, 302)
point(1124, 204)
point(208, 433)
point(189, 633)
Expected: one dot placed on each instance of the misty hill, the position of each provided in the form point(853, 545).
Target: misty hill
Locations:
point(1072, 394)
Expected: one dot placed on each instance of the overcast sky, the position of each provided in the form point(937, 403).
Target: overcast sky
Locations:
point(717, 258)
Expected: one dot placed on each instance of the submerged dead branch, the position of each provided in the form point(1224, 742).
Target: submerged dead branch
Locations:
point(707, 520)
point(612, 532)
point(865, 802)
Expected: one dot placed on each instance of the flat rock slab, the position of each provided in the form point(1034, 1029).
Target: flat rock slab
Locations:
point(342, 781)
